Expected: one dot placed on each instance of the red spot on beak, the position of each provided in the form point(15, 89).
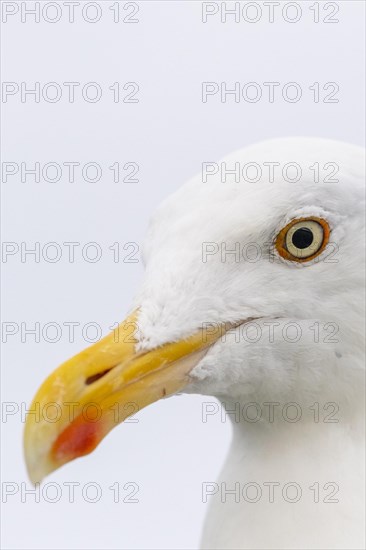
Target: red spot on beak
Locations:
point(78, 439)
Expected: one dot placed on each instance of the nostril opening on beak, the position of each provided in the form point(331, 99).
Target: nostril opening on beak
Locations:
point(96, 377)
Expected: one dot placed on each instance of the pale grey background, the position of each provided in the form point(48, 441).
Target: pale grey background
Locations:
point(170, 132)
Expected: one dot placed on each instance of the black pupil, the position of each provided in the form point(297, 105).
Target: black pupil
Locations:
point(302, 238)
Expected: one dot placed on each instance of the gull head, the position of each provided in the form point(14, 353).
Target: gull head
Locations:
point(253, 291)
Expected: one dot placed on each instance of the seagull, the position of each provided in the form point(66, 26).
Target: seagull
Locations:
point(253, 294)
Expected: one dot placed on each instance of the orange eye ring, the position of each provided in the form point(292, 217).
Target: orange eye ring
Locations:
point(320, 233)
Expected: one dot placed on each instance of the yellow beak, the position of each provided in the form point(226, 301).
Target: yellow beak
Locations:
point(84, 398)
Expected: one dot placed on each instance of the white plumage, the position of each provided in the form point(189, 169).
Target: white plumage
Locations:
point(181, 292)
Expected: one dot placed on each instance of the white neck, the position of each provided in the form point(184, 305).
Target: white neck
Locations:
point(322, 463)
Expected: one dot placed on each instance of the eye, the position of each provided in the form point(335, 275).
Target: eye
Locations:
point(303, 239)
